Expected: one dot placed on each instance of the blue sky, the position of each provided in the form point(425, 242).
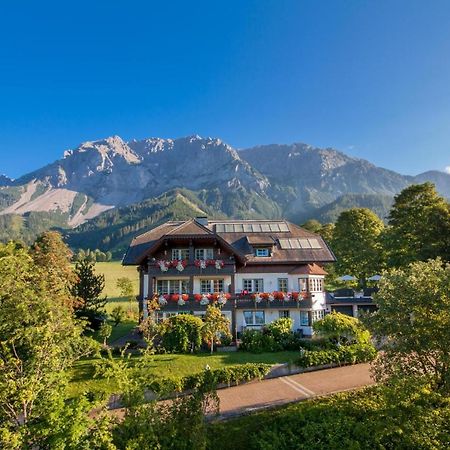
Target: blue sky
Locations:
point(371, 78)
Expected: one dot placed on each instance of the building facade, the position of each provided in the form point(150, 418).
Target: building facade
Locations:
point(258, 270)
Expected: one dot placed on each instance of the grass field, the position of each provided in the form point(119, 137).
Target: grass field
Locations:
point(166, 366)
point(114, 270)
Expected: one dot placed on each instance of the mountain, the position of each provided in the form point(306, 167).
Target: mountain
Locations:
point(104, 191)
point(440, 179)
point(5, 181)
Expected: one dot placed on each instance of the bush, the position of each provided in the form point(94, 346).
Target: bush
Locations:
point(181, 333)
point(343, 329)
point(255, 341)
point(347, 354)
point(209, 379)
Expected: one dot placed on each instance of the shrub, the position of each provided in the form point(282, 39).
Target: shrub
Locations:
point(181, 333)
point(209, 379)
point(347, 354)
point(257, 341)
point(343, 329)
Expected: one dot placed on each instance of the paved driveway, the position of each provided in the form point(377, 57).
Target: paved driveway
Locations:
point(277, 391)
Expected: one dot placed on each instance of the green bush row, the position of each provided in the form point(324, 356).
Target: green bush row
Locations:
point(210, 378)
point(346, 354)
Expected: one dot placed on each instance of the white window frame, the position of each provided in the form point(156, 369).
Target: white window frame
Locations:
point(204, 253)
point(303, 285)
point(262, 252)
point(253, 314)
point(211, 286)
point(316, 284)
point(180, 253)
point(253, 285)
point(281, 281)
point(284, 314)
point(316, 315)
point(172, 286)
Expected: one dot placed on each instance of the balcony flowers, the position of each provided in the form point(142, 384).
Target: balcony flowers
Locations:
point(257, 297)
point(197, 297)
point(185, 297)
point(179, 264)
point(181, 301)
point(163, 265)
point(204, 300)
point(295, 296)
point(162, 300)
point(223, 298)
point(278, 295)
point(219, 264)
point(201, 263)
point(270, 297)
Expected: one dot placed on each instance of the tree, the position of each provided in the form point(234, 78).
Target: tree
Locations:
point(89, 287)
point(413, 323)
point(356, 244)
point(181, 333)
point(215, 325)
point(342, 329)
point(312, 225)
point(118, 315)
point(51, 253)
point(419, 226)
point(39, 341)
point(105, 332)
point(125, 286)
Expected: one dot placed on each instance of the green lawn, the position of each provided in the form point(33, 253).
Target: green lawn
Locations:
point(114, 270)
point(170, 365)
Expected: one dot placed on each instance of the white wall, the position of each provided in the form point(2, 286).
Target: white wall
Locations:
point(145, 294)
point(271, 315)
point(271, 280)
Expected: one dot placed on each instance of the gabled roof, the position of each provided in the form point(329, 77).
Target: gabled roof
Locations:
point(240, 237)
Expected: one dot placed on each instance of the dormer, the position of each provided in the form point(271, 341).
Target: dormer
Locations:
point(262, 246)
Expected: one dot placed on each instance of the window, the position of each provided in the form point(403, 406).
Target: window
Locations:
point(210, 286)
point(302, 285)
point(204, 253)
point(304, 319)
point(284, 314)
point(255, 285)
point(255, 318)
point(180, 253)
point(316, 284)
point(172, 286)
point(283, 284)
point(262, 252)
point(317, 315)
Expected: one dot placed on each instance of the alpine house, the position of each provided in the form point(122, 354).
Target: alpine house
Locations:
point(257, 270)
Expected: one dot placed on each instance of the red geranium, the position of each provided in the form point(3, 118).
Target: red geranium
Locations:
point(175, 297)
point(197, 297)
point(185, 297)
point(295, 296)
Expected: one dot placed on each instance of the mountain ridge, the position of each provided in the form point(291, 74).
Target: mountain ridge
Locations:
point(296, 181)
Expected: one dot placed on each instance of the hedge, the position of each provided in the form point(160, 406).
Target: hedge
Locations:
point(210, 378)
point(346, 354)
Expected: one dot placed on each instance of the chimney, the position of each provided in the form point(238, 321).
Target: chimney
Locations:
point(202, 220)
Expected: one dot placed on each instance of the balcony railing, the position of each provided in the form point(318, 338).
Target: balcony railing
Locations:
point(186, 302)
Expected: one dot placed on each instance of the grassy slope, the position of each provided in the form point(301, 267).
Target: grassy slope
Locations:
point(82, 374)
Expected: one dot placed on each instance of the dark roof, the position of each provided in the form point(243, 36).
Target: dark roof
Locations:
point(238, 241)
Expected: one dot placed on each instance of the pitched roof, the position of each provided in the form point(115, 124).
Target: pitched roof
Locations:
point(297, 245)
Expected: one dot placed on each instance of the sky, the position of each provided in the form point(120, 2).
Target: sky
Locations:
point(370, 78)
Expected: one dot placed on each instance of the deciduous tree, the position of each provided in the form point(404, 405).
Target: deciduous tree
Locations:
point(413, 323)
point(356, 244)
point(419, 226)
point(215, 325)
